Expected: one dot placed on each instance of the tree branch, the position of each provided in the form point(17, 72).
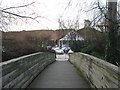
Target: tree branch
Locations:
point(96, 17)
point(18, 6)
point(92, 9)
point(21, 16)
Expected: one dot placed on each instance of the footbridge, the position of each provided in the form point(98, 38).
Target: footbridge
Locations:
point(48, 70)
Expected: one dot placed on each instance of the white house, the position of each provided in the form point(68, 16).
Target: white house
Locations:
point(71, 36)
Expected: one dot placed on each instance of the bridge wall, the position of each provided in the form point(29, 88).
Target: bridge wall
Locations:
point(99, 73)
point(19, 72)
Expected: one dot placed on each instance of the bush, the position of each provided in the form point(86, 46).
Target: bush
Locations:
point(22, 44)
point(95, 48)
point(76, 46)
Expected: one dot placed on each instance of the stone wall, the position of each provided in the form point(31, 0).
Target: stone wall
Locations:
point(99, 73)
point(19, 72)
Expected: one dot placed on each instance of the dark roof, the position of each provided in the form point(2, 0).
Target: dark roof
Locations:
point(91, 34)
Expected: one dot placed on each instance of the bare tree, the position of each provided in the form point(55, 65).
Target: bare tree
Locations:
point(14, 14)
point(109, 17)
point(68, 24)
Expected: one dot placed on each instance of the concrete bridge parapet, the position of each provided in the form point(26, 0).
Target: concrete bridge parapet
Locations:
point(19, 72)
point(99, 73)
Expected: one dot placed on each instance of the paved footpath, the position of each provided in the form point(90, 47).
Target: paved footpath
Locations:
point(60, 74)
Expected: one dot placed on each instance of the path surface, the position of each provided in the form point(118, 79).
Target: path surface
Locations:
point(60, 74)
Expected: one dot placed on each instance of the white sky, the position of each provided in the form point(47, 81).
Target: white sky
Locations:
point(51, 10)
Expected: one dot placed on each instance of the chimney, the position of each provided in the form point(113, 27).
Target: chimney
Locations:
point(87, 23)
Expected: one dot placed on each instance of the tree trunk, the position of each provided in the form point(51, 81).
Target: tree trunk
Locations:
point(112, 54)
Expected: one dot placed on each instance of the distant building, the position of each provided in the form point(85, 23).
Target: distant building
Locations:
point(71, 36)
point(87, 23)
point(102, 26)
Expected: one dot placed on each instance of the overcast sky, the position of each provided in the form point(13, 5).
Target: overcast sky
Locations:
point(50, 10)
